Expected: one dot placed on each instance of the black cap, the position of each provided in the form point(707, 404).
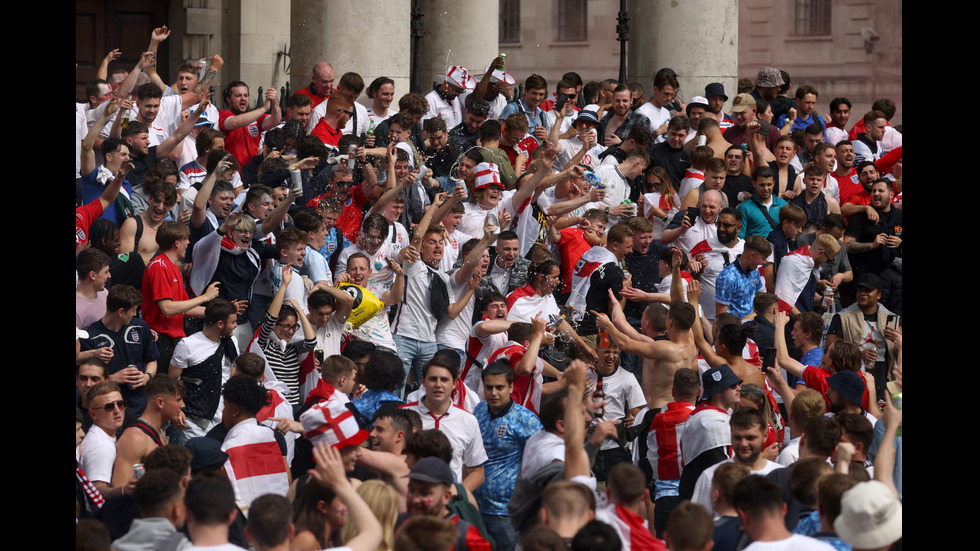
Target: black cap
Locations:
point(432, 470)
point(849, 384)
point(206, 454)
point(870, 281)
point(717, 379)
point(715, 89)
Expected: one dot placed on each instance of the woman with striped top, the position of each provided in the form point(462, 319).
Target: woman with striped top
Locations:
point(278, 328)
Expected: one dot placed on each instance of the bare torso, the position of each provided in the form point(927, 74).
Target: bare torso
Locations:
point(658, 375)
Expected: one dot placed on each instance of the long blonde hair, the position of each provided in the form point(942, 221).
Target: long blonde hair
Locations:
point(383, 501)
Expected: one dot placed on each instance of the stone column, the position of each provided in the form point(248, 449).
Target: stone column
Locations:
point(343, 33)
point(457, 33)
point(696, 38)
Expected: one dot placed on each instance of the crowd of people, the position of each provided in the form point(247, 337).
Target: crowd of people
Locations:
point(585, 315)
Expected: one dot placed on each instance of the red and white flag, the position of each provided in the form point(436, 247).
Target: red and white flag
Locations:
point(255, 463)
point(794, 273)
point(591, 261)
point(527, 388)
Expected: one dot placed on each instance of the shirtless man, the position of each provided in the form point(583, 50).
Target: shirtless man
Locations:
point(727, 349)
point(165, 400)
point(161, 196)
point(661, 358)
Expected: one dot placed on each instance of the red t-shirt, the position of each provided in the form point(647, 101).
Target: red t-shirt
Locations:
point(816, 378)
point(162, 280)
point(351, 219)
point(327, 134)
point(571, 247)
point(84, 216)
point(317, 99)
point(242, 142)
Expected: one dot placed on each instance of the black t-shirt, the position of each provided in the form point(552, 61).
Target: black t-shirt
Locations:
point(877, 260)
point(734, 185)
point(605, 277)
point(645, 273)
point(674, 161)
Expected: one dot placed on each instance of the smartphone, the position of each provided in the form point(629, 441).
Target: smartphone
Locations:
point(560, 101)
point(692, 214)
point(769, 358)
point(891, 321)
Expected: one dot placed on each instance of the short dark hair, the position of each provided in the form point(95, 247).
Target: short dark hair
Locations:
point(857, 427)
point(596, 536)
point(757, 496)
point(682, 314)
point(174, 457)
point(452, 369)
point(251, 365)
point(269, 518)
point(553, 409)
point(535, 82)
point(162, 384)
point(376, 85)
point(125, 297)
point(91, 260)
point(837, 102)
point(803, 476)
point(246, 393)
point(157, 490)
point(490, 130)
point(429, 443)
point(497, 368)
point(746, 418)
point(210, 499)
point(217, 310)
point(148, 91)
point(689, 526)
point(384, 371)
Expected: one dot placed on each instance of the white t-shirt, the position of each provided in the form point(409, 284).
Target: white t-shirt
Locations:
point(363, 120)
point(657, 115)
point(622, 392)
point(463, 431)
point(451, 249)
point(617, 189)
point(414, 319)
point(380, 276)
point(449, 111)
point(795, 542)
point(702, 490)
point(196, 348)
point(455, 332)
point(97, 455)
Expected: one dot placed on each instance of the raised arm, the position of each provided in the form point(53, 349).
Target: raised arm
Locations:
point(309, 332)
point(183, 129)
point(530, 357)
point(158, 35)
point(276, 217)
point(714, 360)
point(344, 302)
point(885, 458)
point(205, 83)
point(471, 260)
point(330, 472)
point(103, 70)
point(481, 87)
point(247, 118)
point(757, 144)
point(576, 460)
point(783, 358)
point(88, 162)
point(199, 214)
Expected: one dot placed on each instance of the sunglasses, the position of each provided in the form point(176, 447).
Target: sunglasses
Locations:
point(121, 404)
